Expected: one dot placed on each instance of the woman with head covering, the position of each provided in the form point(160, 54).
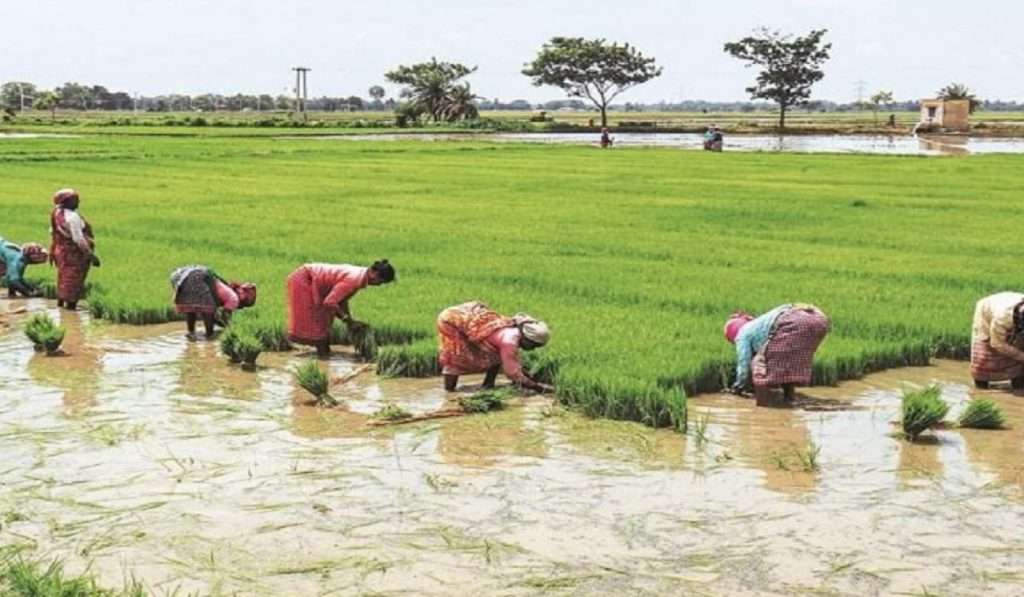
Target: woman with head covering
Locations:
point(319, 292)
point(199, 291)
point(606, 139)
point(776, 349)
point(476, 339)
point(997, 339)
point(14, 260)
point(72, 248)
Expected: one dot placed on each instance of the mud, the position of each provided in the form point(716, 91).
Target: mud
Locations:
point(141, 453)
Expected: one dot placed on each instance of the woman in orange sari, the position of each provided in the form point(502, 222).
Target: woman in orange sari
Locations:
point(72, 248)
point(476, 339)
point(319, 292)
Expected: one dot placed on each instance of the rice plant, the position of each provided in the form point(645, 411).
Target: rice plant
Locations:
point(485, 401)
point(229, 341)
point(922, 410)
point(982, 414)
point(312, 379)
point(392, 412)
point(44, 333)
point(248, 349)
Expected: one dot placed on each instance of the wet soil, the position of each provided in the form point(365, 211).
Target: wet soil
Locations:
point(142, 454)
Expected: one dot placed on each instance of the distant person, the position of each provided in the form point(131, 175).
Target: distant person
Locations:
point(13, 261)
point(606, 139)
point(892, 121)
point(714, 140)
point(776, 349)
point(997, 339)
point(319, 292)
point(200, 292)
point(476, 339)
point(72, 248)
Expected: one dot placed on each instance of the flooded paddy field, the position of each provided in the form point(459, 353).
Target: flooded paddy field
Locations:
point(141, 454)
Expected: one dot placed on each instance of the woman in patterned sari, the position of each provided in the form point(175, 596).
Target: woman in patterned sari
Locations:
point(200, 292)
point(776, 349)
point(319, 292)
point(476, 339)
point(997, 339)
point(72, 248)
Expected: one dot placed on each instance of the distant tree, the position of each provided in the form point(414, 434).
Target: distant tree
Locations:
point(591, 68)
point(48, 101)
point(75, 96)
point(429, 86)
point(878, 100)
point(355, 103)
point(790, 66)
point(459, 104)
point(959, 91)
point(11, 94)
point(377, 93)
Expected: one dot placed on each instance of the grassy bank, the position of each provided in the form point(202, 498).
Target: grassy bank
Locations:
point(635, 257)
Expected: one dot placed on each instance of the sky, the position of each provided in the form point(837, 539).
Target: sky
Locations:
point(911, 47)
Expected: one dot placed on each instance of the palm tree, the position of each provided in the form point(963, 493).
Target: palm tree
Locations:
point(459, 104)
point(959, 91)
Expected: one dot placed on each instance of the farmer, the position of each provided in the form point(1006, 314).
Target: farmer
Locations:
point(476, 339)
point(319, 292)
point(71, 249)
point(997, 338)
point(14, 260)
point(199, 291)
point(713, 139)
point(776, 349)
point(606, 139)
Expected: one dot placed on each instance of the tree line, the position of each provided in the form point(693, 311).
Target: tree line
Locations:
point(592, 73)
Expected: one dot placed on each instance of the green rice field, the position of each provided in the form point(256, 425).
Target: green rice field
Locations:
point(635, 257)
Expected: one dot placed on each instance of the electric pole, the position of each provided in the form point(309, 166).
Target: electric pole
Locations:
point(861, 88)
point(301, 91)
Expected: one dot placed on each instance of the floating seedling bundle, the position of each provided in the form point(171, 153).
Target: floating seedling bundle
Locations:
point(922, 410)
point(44, 333)
point(241, 347)
point(485, 401)
point(312, 379)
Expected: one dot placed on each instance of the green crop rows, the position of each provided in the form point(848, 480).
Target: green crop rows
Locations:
point(635, 257)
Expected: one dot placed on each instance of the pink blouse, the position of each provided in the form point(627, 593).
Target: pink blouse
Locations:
point(335, 284)
point(228, 298)
point(506, 342)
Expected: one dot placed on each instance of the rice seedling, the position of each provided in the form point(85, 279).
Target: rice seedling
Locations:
point(312, 379)
point(248, 350)
point(392, 412)
point(982, 414)
point(922, 410)
point(700, 431)
point(808, 456)
point(44, 333)
point(485, 401)
point(24, 578)
point(229, 345)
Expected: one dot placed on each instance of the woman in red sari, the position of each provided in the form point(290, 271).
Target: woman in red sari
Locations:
point(319, 292)
point(476, 339)
point(71, 249)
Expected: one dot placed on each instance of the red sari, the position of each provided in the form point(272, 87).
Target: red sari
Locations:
point(72, 262)
point(314, 292)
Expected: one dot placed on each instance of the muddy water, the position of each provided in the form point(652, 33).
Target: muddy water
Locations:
point(142, 453)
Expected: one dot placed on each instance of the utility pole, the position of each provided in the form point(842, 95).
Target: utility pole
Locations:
point(861, 88)
point(301, 91)
point(21, 92)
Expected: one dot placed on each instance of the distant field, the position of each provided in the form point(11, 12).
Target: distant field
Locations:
point(635, 257)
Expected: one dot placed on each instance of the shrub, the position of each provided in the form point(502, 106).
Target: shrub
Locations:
point(922, 410)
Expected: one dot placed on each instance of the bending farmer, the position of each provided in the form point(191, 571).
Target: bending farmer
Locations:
point(476, 339)
point(776, 349)
point(71, 248)
point(319, 292)
point(14, 260)
point(997, 338)
point(200, 292)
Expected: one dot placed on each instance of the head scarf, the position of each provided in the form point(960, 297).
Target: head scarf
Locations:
point(66, 198)
point(735, 324)
point(34, 253)
point(533, 329)
point(246, 293)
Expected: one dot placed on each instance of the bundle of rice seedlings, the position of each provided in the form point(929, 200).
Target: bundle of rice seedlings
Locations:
point(44, 333)
point(229, 341)
point(392, 412)
point(983, 414)
point(248, 349)
point(485, 401)
point(922, 410)
point(315, 381)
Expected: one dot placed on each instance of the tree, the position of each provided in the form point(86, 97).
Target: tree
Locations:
point(12, 94)
point(48, 101)
point(882, 98)
point(377, 93)
point(429, 86)
point(790, 66)
point(591, 68)
point(959, 91)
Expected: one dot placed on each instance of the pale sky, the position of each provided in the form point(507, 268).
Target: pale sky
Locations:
point(912, 47)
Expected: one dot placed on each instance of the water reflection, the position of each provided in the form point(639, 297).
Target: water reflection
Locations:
point(77, 371)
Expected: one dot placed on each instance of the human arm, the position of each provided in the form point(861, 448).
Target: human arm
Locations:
point(999, 333)
point(513, 369)
point(744, 356)
point(226, 296)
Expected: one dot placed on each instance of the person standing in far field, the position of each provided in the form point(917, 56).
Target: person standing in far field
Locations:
point(476, 339)
point(606, 139)
point(997, 338)
point(199, 291)
point(319, 292)
point(776, 349)
point(72, 248)
point(14, 260)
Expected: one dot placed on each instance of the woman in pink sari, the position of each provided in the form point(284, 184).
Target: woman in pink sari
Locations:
point(319, 292)
point(72, 248)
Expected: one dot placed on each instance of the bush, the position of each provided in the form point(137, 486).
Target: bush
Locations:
point(922, 410)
